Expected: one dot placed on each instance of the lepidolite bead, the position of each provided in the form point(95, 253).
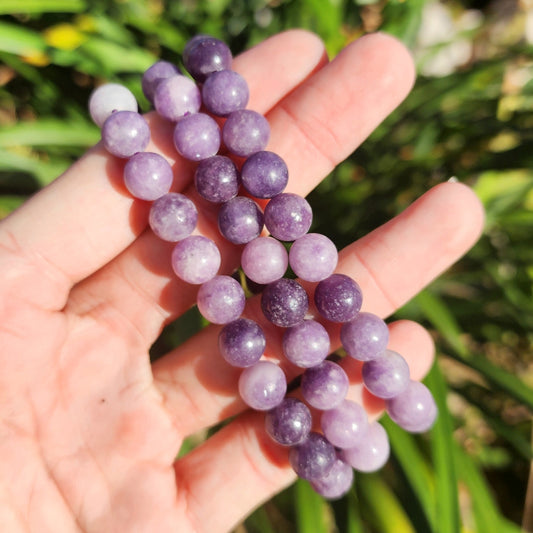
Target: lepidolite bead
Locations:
point(240, 220)
point(241, 342)
point(245, 132)
point(288, 216)
point(289, 423)
point(313, 458)
point(197, 137)
point(284, 302)
point(147, 175)
point(125, 133)
point(155, 74)
point(264, 260)
point(173, 217)
point(221, 300)
point(177, 96)
point(204, 55)
point(306, 344)
point(264, 174)
point(365, 337)
point(225, 91)
point(338, 298)
point(263, 385)
point(336, 483)
point(313, 257)
point(387, 375)
point(110, 98)
point(217, 179)
point(324, 386)
point(196, 259)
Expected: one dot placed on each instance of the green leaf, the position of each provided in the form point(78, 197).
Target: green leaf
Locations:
point(311, 509)
point(8, 7)
point(18, 40)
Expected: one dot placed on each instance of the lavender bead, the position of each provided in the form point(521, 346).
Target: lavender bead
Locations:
point(371, 453)
point(264, 174)
point(414, 409)
point(125, 133)
point(262, 386)
point(147, 175)
point(289, 423)
point(240, 220)
point(176, 97)
point(108, 99)
point(154, 75)
point(284, 302)
point(307, 344)
point(245, 132)
point(195, 259)
point(313, 257)
point(264, 260)
point(217, 179)
point(225, 91)
point(173, 217)
point(313, 458)
point(387, 375)
point(241, 342)
point(204, 55)
point(197, 137)
point(336, 483)
point(288, 216)
point(365, 337)
point(324, 386)
point(221, 300)
point(345, 425)
point(338, 298)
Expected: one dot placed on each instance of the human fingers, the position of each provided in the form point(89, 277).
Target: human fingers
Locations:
point(313, 128)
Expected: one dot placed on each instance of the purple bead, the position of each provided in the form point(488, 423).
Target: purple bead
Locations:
point(197, 137)
point(262, 386)
point(125, 133)
point(346, 425)
point(371, 453)
point(221, 300)
point(173, 217)
point(288, 216)
point(313, 458)
point(204, 55)
point(313, 257)
point(241, 342)
point(225, 91)
point(217, 179)
point(289, 423)
point(338, 298)
point(176, 97)
point(264, 260)
point(110, 98)
point(386, 376)
point(155, 74)
point(336, 483)
point(245, 132)
point(307, 344)
point(284, 302)
point(196, 259)
point(264, 174)
point(365, 337)
point(240, 220)
point(148, 175)
point(414, 409)
point(325, 385)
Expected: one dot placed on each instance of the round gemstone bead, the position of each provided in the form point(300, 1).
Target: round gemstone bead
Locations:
point(284, 302)
point(262, 386)
point(221, 300)
point(325, 385)
point(345, 425)
point(225, 91)
point(264, 174)
point(371, 453)
point(387, 375)
point(313, 458)
point(336, 483)
point(414, 409)
point(289, 423)
point(307, 344)
point(264, 260)
point(155, 74)
point(197, 137)
point(147, 175)
point(196, 259)
point(365, 337)
point(245, 132)
point(204, 55)
point(217, 179)
point(241, 342)
point(176, 97)
point(108, 99)
point(240, 220)
point(338, 298)
point(173, 217)
point(288, 216)
point(313, 257)
point(125, 133)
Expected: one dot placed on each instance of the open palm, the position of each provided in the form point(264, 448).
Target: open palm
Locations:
point(89, 429)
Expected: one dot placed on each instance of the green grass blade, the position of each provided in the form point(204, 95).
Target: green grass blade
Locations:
point(311, 509)
point(347, 513)
point(19, 40)
point(41, 6)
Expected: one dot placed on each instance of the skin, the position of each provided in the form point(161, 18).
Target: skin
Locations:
point(89, 430)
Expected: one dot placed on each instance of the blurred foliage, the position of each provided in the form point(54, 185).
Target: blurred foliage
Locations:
point(469, 118)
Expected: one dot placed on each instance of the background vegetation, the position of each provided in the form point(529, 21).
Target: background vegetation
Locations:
point(469, 117)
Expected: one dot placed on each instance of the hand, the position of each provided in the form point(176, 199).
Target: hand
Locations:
point(89, 430)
